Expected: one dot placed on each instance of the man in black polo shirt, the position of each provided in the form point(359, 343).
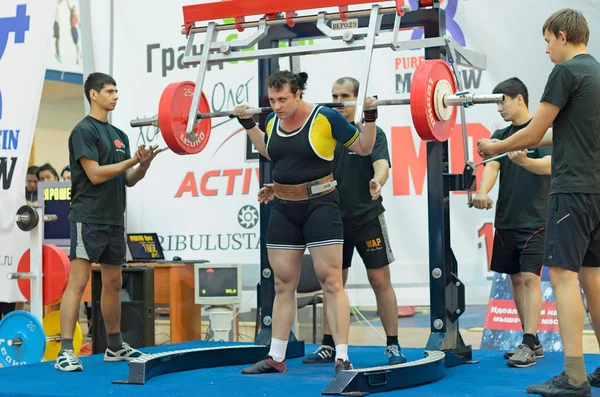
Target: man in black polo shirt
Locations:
point(101, 168)
point(520, 218)
point(360, 179)
point(571, 104)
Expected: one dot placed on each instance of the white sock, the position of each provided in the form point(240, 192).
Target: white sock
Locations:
point(278, 348)
point(341, 352)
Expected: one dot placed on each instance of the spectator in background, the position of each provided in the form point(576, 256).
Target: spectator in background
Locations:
point(31, 183)
point(66, 174)
point(47, 173)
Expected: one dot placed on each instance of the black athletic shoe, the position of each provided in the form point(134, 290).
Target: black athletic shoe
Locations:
point(324, 354)
point(266, 366)
point(559, 386)
point(594, 378)
point(342, 365)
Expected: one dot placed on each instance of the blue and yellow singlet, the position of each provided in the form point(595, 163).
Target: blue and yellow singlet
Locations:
point(306, 154)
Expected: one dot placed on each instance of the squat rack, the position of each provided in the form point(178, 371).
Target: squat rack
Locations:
point(377, 28)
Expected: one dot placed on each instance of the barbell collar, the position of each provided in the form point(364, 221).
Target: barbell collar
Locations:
point(19, 341)
point(468, 99)
point(151, 122)
point(23, 218)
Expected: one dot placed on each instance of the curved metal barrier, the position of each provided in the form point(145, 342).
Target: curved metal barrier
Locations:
point(151, 365)
point(360, 382)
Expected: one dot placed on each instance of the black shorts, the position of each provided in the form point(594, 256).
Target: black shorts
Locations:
point(372, 242)
point(297, 225)
point(97, 243)
point(518, 250)
point(573, 231)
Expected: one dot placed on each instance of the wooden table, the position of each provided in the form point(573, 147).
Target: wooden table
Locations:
point(173, 285)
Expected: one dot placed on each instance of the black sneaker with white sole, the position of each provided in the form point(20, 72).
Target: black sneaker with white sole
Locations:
point(67, 361)
point(126, 353)
point(324, 354)
point(559, 386)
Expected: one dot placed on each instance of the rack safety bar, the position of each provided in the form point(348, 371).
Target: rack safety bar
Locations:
point(281, 21)
point(239, 9)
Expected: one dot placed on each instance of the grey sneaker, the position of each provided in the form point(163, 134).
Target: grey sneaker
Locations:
point(523, 357)
point(538, 350)
point(67, 361)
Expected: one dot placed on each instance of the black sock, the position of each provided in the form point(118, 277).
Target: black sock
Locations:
point(537, 340)
point(115, 341)
point(66, 344)
point(328, 340)
point(392, 340)
point(529, 340)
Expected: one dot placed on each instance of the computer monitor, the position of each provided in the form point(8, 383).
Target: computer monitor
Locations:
point(217, 284)
point(144, 247)
point(55, 197)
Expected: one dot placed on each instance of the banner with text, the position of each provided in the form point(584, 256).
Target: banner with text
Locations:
point(503, 329)
point(204, 206)
point(24, 31)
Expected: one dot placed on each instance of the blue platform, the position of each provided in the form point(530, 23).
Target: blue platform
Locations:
point(491, 377)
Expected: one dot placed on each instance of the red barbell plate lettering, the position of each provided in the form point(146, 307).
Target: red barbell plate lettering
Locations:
point(173, 111)
point(422, 101)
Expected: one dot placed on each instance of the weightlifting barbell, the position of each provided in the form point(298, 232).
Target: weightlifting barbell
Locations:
point(25, 340)
point(433, 99)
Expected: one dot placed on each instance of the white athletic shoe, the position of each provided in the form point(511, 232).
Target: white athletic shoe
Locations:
point(67, 361)
point(126, 353)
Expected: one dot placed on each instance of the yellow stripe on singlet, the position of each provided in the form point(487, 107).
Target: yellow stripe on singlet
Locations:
point(321, 138)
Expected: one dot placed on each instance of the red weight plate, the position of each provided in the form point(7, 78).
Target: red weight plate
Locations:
point(422, 108)
point(426, 3)
point(173, 111)
point(56, 267)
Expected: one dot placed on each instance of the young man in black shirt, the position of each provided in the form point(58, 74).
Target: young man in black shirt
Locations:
point(520, 218)
point(101, 168)
point(571, 104)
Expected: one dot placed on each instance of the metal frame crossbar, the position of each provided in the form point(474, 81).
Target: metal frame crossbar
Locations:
point(365, 38)
point(376, 28)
